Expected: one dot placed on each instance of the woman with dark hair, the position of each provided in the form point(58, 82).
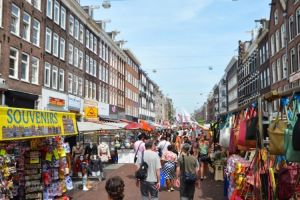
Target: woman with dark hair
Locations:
point(170, 159)
point(115, 188)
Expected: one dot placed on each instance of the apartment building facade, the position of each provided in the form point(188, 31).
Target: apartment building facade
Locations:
point(231, 80)
point(147, 97)
point(132, 67)
point(223, 95)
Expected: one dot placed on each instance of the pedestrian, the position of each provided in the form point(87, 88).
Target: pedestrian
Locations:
point(186, 171)
point(203, 150)
point(115, 188)
point(169, 159)
point(139, 146)
point(195, 148)
point(151, 185)
point(163, 146)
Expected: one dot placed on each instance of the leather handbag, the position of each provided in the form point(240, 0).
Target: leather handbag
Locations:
point(233, 138)
point(276, 136)
point(251, 129)
point(225, 133)
point(241, 141)
point(290, 153)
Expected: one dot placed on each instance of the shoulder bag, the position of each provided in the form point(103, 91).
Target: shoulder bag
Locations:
point(142, 172)
point(136, 156)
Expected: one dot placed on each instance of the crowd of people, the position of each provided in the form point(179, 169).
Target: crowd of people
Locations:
point(181, 157)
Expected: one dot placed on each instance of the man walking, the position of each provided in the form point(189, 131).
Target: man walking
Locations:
point(151, 185)
point(163, 146)
point(139, 146)
point(187, 172)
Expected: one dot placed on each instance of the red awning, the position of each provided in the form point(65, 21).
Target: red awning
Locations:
point(132, 126)
point(145, 126)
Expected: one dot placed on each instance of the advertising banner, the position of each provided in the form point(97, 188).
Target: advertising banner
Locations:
point(19, 123)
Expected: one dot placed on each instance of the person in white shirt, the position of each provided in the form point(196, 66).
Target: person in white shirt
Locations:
point(163, 145)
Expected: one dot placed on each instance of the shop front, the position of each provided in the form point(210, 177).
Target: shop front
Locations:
point(34, 157)
point(103, 110)
point(52, 100)
point(20, 99)
point(90, 108)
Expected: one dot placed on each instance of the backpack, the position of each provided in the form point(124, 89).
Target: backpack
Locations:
point(287, 182)
point(142, 172)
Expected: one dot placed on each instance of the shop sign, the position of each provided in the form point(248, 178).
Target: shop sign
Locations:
point(74, 102)
point(91, 112)
point(56, 102)
point(88, 102)
point(26, 123)
point(103, 109)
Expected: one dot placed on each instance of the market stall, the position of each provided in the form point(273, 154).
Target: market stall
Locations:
point(34, 159)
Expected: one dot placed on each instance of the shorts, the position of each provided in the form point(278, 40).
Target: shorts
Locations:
point(203, 158)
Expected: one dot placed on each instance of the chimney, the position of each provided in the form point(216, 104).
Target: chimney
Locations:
point(113, 34)
point(102, 24)
point(120, 43)
point(88, 10)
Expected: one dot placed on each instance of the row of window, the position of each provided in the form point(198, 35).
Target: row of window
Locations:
point(54, 77)
point(29, 68)
point(29, 30)
point(56, 12)
point(278, 41)
point(103, 93)
point(75, 84)
point(76, 57)
point(35, 3)
point(90, 66)
point(279, 69)
point(265, 78)
point(132, 64)
point(132, 80)
point(131, 111)
point(131, 95)
point(55, 44)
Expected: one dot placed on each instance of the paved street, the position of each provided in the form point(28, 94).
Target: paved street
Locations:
point(209, 188)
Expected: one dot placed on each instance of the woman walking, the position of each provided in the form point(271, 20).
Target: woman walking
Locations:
point(170, 159)
point(203, 147)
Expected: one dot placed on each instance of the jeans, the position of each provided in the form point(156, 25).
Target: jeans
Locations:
point(149, 188)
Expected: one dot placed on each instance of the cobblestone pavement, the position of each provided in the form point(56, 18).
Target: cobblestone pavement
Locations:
point(209, 189)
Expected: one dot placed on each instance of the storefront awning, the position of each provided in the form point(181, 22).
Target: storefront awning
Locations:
point(119, 125)
point(91, 126)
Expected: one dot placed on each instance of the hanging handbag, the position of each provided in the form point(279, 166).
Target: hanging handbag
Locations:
point(225, 133)
point(276, 136)
point(290, 153)
point(252, 129)
point(232, 142)
point(242, 132)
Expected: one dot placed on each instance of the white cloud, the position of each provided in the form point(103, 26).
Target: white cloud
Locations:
point(191, 8)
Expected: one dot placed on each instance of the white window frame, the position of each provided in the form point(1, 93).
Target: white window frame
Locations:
point(49, 10)
point(76, 29)
point(91, 65)
point(80, 59)
point(17, 17)
point(95, 45)
point(71, 25)
point(277, 41)
point(279, 68)
point(35, 67)
point(55, 45)
point(86, 89)
point(54, 79)
point(63, 17)
point(16, 63)
point(90, 90)
point(1, 12)
point(56, 12)
point(81, 33)
point(80, 86)
point(283, 35)
point(37, 4)
point(26, 63)
point(276, 17)
point(48, 39)
point(298, 21)
point(47, 68)
point(291, 34)
point(61, 82)
point(36, 29)
point(70, 54)
point(70, 83)
point(94, 91)
point(284, 66)
point(75, 86)
point(28, 25)
point(62, 48)
point(95, 68)
point(87, 63)
point(75, 57)
point(87, 38)
point(272, 45)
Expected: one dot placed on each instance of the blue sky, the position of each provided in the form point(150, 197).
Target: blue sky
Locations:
point(180, 39)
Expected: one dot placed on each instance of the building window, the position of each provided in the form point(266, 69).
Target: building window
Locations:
point(1, 12)
point(56, 12)
point(26, 26)
point(268, 76)
point(90, 90)
point(13, 63)
point(279, 68)
point(293, 59)
point(94, 90)
point(61, 80)
point(298, 20)
point(71, 54)
point(95, 68)
point(95, 45)
point(25, 67)
point(81, 31)
point(55, 44)
point(35, 63)
point(47, 74)
point(75, 56)
point(76, 29)
point(291, 27)
point(91, 66)
point(284, 68)
point(63, 17)
point(87, 38)
point(71, 25)
point(80, 86)
point(36, 32)
point(48, 40)
point(277, 40)
point(70, 83)
point(62, 49)
point(15, 20)
point(283, 35)
point(86, 88)
point(91, 41)
point(49, 8)
point(272, 45)
point(37, 4)
point(87, 63)
point(80, 59)
point(276, 17)
point(54, 77)
point(75, 86)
